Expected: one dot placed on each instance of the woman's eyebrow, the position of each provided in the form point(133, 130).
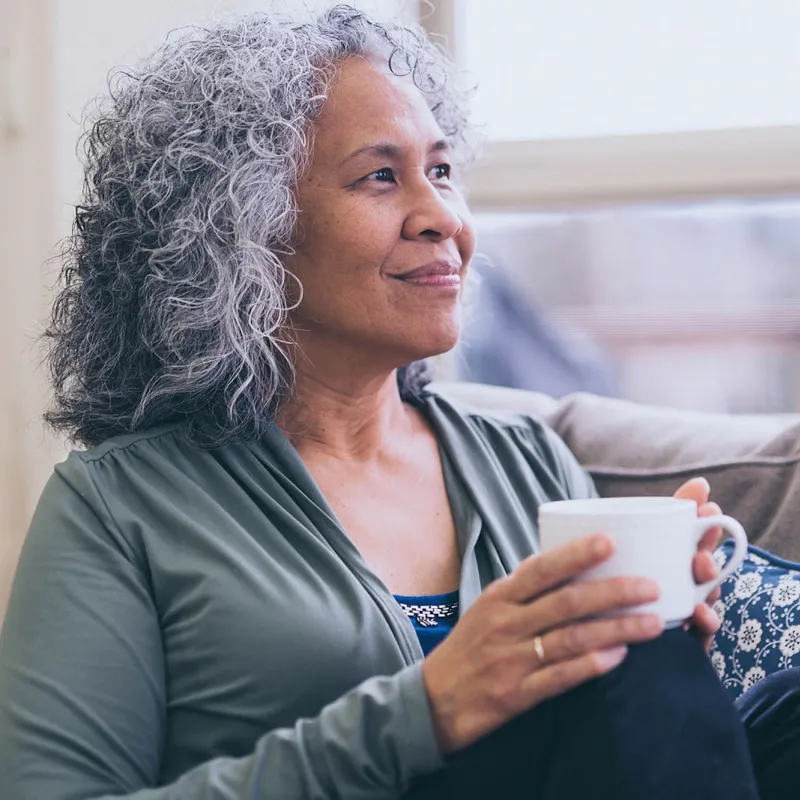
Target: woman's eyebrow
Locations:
point(389, 150)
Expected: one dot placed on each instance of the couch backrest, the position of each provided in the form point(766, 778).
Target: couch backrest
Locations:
point(751, 461)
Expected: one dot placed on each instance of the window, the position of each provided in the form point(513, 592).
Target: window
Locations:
point(630, 100)
point(691, 305)
point(639, 196)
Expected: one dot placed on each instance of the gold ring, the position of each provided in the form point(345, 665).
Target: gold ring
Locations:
point(539, 648)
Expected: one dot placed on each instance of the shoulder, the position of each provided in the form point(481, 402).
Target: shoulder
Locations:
point(510, 437)
point(151, 441)
point(91, 487)
point(492, 421)
point(135, 492)
point(97, 473)
point(148, 452)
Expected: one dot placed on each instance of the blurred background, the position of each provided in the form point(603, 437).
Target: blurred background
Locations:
point(637, 197)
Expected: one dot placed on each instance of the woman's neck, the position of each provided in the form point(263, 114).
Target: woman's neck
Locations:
point(358, 420)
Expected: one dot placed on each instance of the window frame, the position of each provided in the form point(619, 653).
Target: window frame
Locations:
point(748, 162)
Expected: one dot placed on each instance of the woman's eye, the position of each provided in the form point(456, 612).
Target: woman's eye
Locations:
point(441, 172)
point(383, 175)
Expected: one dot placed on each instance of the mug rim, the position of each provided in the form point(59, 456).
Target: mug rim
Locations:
point(611, 506)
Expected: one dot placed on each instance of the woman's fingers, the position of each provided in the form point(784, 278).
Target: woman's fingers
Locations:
point(541, 573)
point(579, 601)
point(705, 569)
point(705, 620)
point(571, 641)
point(711, 538)
point(555, 679)
point(697, 489)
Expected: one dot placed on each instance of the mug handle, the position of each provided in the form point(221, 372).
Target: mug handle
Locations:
point(736, 532)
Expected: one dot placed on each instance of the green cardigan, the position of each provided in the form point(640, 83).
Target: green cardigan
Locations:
point(190, 623)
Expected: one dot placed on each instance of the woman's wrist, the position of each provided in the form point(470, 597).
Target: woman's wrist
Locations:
point(443, 716)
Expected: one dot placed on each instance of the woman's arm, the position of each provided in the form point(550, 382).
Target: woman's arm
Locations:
point(83, 696)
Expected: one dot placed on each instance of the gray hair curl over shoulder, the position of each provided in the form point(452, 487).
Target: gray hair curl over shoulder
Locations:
point(172, 298)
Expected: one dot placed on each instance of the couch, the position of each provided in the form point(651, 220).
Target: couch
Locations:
point(751, 461)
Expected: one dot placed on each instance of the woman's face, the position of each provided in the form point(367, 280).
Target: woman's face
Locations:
point(384, 236)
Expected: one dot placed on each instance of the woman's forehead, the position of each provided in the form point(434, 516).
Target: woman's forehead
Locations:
point(367, 104)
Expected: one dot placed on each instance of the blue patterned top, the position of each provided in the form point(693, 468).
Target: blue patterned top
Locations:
point(432, 615)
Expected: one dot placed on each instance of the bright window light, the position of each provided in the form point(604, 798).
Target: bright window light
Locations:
point(554, 69)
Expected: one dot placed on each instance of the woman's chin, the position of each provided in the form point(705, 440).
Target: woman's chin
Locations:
point(433, 341)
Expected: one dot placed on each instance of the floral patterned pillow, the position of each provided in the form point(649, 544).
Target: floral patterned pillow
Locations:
point(760, 613)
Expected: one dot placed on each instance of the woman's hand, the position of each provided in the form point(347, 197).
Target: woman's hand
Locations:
point(488, 669)
point(704, 622)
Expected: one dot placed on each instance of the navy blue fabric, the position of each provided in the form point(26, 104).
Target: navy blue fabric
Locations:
point(760, 613)
point(660, 727)
point(432, 615)
point(771, 715)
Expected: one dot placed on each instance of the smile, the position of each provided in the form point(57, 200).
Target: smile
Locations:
point(442, 274)
point(451, 281)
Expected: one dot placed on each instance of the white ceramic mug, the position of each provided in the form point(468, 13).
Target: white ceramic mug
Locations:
point(654, 537)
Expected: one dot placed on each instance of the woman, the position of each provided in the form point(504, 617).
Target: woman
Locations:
point(210, 599)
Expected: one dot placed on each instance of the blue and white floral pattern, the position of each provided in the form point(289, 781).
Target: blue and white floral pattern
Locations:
point(760, 613)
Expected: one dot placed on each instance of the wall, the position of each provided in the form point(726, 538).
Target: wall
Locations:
point(27, 233)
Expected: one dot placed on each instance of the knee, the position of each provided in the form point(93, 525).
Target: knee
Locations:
point(770, 712)
point(777, 695)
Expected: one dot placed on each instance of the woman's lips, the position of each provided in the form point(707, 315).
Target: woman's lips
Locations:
point(448, 281)
point(443, 274)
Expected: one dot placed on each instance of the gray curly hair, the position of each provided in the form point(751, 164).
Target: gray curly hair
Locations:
point(172, 301)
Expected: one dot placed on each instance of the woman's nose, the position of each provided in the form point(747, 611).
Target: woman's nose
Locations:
point(431, 215)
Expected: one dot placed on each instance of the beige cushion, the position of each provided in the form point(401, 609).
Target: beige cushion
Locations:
point(751, 461)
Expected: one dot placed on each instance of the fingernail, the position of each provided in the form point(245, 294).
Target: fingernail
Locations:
point(646, 589)
point(612, 657)
point(705, 483)
point(651, 624)
point(602, 546)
